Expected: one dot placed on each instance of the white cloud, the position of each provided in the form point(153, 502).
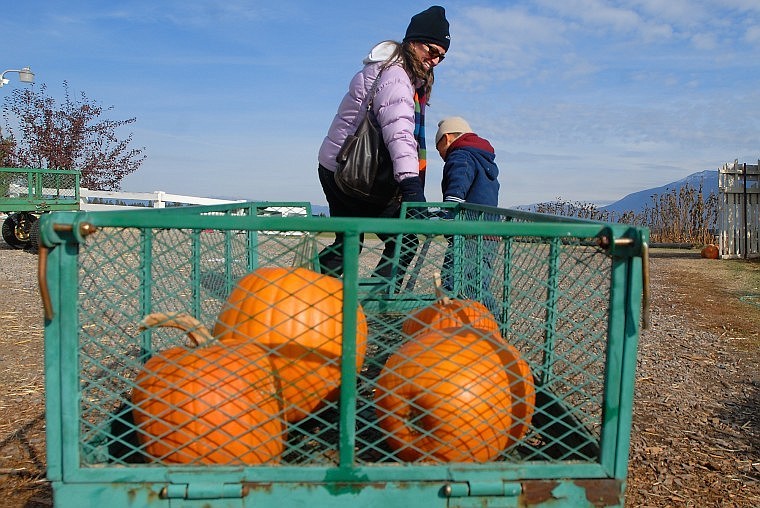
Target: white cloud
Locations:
point(602, 16)
point(704, 41)
point(675, 12)
point(741, 5)
point(752, 35)
point(494, 45)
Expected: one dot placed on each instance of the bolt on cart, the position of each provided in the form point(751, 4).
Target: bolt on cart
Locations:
point(198, 357)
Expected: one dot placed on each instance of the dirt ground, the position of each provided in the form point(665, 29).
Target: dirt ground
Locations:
point(696, 431)
point(696, 425)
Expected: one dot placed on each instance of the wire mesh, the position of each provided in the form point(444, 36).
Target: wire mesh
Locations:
point(460, 396)
point(50, 186)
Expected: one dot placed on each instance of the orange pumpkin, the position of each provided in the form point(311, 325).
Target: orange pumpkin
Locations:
point(449, 313)
point(296, 315)
point(523, 390)
point(444, 396)
point(214, 404)
point(710, 252)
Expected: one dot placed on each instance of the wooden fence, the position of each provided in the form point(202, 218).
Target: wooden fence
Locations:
point(739, 210)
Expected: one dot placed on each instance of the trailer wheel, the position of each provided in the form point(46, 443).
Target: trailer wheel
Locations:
point(34, 237)
point(17, 229)
point(9, 232)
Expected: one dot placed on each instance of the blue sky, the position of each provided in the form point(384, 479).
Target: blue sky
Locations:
point(584, 100)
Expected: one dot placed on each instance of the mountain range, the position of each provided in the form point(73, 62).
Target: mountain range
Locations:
point(636, 201)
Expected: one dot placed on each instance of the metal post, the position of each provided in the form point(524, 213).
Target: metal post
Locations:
point(745, 224)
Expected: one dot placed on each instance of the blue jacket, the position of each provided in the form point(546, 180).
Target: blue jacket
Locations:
point(470, 173)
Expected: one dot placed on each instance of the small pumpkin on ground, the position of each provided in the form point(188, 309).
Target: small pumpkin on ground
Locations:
point(296, 315)
point(710, 251)
point(213, 404)
point(444, 396)
point(449, 313)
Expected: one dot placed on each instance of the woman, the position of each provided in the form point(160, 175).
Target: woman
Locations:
point(401, 94)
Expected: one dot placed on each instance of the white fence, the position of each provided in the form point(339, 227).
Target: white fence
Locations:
point(739, 210)
point(157, 199)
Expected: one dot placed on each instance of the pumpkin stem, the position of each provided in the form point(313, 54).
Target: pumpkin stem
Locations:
point(443, 299)
point(195, 330)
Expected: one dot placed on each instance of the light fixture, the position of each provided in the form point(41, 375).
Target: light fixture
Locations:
point(25, 75)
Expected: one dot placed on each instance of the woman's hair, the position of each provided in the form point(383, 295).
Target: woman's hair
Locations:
point(404, 52)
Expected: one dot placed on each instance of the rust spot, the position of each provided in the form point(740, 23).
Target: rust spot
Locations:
point(538, 491)
point(133, 494)
point(602, 493)
point(256, 487)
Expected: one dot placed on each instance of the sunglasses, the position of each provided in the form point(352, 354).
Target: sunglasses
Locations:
point(433, 53)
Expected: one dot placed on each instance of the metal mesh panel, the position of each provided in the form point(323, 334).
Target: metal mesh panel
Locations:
point(549, 298)
point(126, 273)
point(45, 186)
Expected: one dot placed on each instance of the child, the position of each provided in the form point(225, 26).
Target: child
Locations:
point(470, 175)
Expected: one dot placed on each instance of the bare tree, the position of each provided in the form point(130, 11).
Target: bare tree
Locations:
point(73, 135)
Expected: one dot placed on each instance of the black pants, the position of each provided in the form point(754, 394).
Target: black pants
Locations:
point(342, 205)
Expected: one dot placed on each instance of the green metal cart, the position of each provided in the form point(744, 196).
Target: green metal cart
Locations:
point(565, 294)
point(26, 193)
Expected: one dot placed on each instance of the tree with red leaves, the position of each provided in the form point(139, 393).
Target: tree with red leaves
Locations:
point(73, 135)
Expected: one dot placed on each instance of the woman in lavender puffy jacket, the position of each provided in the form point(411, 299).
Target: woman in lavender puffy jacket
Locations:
point(401, 94)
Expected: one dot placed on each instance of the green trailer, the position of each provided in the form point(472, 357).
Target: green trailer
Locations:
point(27, 193)
point(565, 296)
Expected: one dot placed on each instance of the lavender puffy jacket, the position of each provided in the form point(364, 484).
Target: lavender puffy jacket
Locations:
point(393, 108)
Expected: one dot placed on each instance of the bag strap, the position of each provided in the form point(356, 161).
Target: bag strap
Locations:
point(371, 94)
point(372, 90)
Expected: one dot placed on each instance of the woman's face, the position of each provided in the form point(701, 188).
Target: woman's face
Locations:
point(429, 54)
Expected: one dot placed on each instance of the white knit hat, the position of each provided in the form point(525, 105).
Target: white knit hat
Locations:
point(450, 125)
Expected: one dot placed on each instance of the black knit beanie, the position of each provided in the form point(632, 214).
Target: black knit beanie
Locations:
point(430, 26)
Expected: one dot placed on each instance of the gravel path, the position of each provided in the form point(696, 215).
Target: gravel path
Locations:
point(696, 434)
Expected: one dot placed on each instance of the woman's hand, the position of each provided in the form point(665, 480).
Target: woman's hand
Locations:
point(412, 190)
